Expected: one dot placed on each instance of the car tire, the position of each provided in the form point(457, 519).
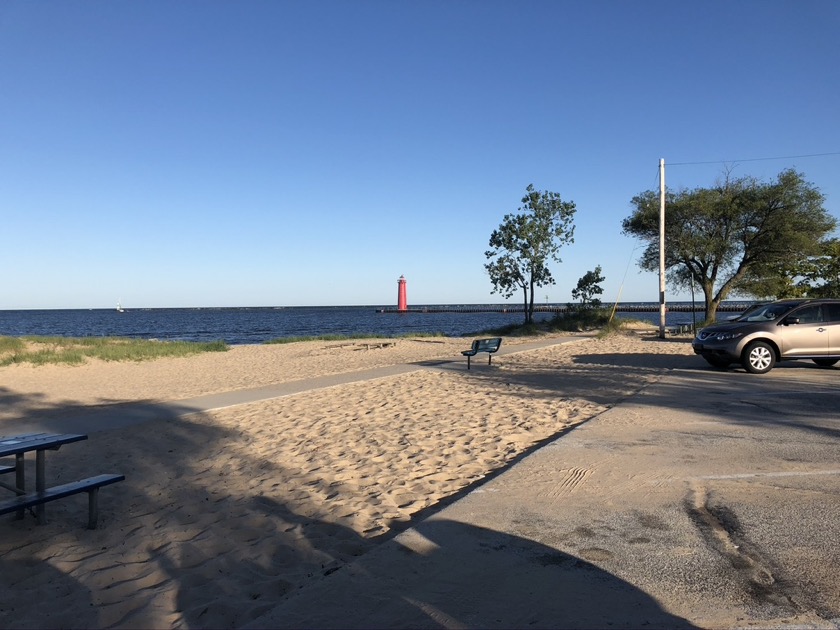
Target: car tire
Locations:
point(758, 358)
point(826, 362)
point(716, 361)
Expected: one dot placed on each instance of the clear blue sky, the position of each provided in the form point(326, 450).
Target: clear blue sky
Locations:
point(259, 153)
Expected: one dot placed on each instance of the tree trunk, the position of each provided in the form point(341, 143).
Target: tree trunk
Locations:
point(531, 305)
point(525, 304)
point(711, 303)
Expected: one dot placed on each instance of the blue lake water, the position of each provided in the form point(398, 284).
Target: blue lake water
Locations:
point(257, 325)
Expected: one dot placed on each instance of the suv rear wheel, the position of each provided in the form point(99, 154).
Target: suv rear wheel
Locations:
point(758, 358)
point(826, 362)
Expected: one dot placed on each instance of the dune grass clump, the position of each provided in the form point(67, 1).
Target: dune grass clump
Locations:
point(581, 319)
point(9, 345)
point(595, 319)
point(76, 350)
point(613, 326)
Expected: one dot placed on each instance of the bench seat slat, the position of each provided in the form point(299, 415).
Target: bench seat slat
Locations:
point(90, 485)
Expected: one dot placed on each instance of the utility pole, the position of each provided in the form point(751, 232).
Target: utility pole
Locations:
point(662, 248)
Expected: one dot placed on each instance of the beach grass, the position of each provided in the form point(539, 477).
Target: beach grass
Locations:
point(38, 350)
point(594, 319)
point(11, 345)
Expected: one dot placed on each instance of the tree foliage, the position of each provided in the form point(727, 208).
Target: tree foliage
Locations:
point(821, 273)
point(812, 276)
point(588, 287)
point(736, 238)
point(526, 242)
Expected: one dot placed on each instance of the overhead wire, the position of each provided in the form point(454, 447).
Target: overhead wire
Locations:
point(760, 159)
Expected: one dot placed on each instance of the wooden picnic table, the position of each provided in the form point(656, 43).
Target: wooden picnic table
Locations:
point(40, 443)
point(18, 446)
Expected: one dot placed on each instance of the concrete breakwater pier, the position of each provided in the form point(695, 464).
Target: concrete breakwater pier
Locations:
point(622, 308)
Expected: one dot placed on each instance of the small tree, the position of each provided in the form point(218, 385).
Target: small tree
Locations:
point(588, 287)
point(526, 242)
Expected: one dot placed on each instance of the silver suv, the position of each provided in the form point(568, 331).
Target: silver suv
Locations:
point(765, 334)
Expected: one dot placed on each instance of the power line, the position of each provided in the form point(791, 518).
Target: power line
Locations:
point(784, 157)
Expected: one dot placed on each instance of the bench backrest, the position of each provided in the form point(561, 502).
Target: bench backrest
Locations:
point(487, 345)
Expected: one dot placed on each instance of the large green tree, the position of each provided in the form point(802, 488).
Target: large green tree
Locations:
point(526, 241)
point(727, 237)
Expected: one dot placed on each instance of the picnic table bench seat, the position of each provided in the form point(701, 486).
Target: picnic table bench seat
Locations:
point(90, 485)
point(483, 345)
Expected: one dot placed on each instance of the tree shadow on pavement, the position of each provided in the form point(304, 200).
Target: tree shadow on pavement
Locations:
point(444, 573)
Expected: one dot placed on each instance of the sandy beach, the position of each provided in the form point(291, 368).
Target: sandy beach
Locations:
point(223, 513)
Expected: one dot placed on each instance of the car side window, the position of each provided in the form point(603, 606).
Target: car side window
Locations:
point(809, 314)
point(760, 314)
point(833, 312)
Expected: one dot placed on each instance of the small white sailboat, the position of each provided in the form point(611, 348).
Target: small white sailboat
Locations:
point(120, 309)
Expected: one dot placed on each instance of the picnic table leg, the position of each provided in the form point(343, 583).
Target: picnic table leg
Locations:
point(20, 480)
point(40, 484)
point(93, 507)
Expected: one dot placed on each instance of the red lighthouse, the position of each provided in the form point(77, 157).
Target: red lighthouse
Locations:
point(402, 301)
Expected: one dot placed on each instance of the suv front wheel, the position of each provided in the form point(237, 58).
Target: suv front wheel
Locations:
point(758, 358)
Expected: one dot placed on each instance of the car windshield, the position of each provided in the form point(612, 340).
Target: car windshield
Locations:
point(766, 312)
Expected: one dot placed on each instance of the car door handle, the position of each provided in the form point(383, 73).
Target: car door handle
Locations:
point(820, 329)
